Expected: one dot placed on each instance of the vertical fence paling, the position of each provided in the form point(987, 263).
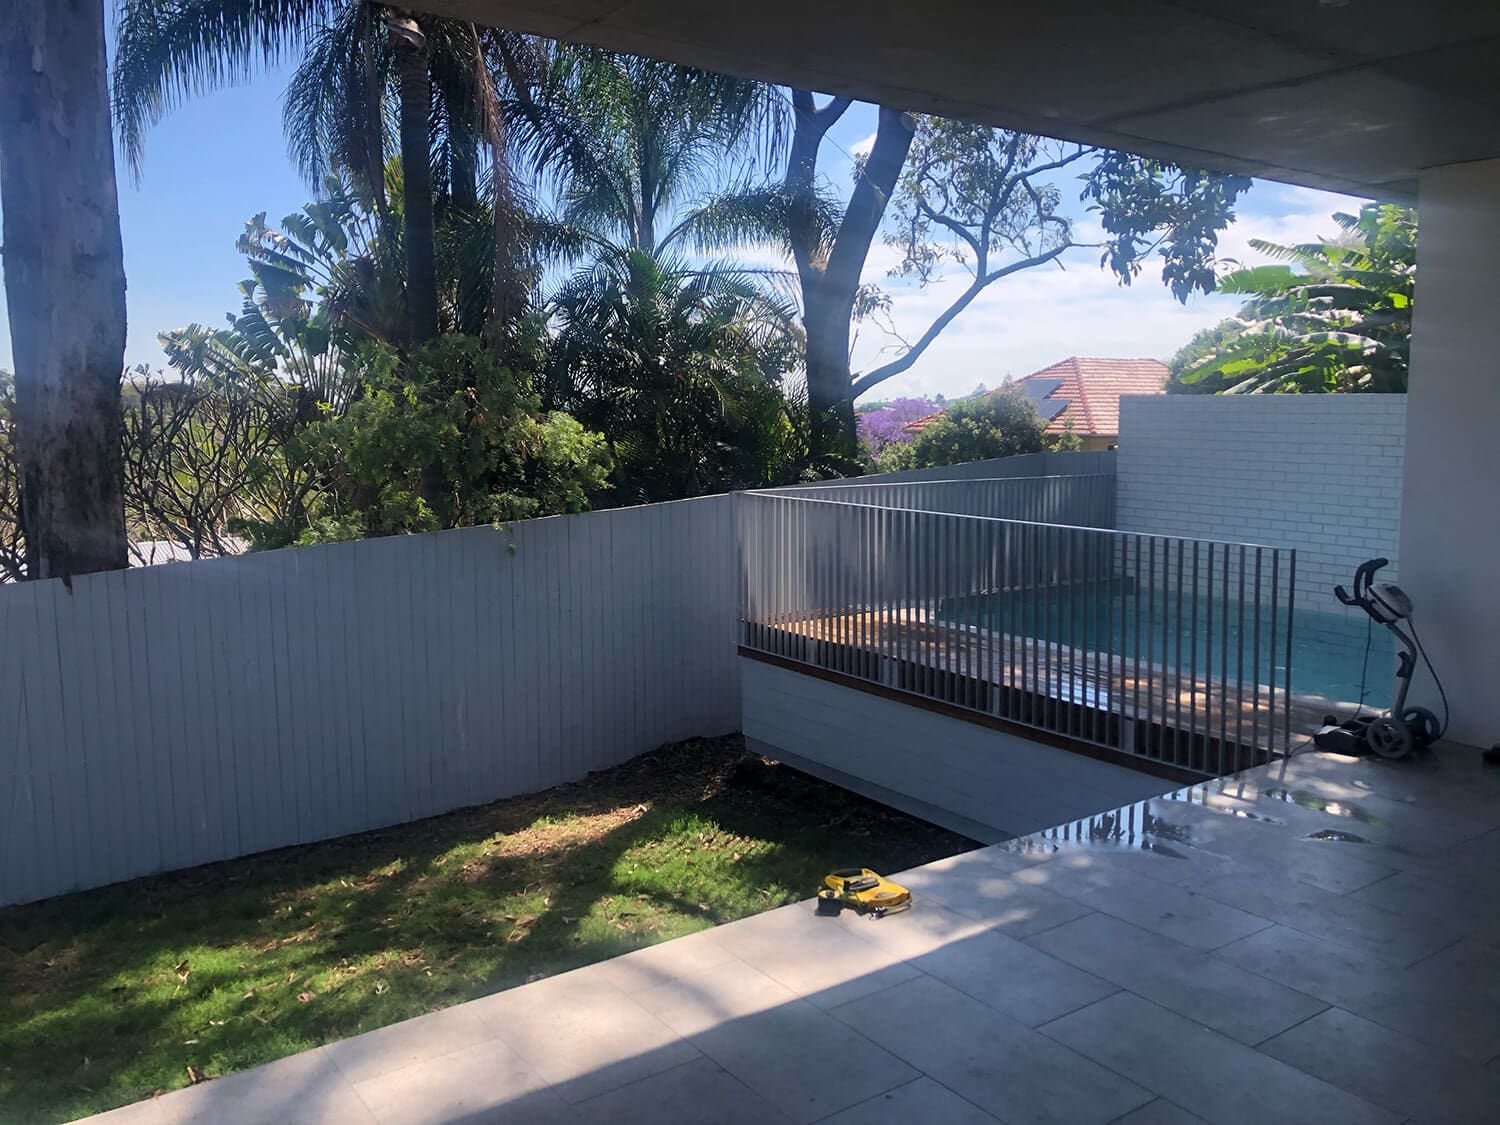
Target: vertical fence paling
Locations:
point(1151, 645)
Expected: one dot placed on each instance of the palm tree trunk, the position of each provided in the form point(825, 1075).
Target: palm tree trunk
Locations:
point(416, 177)
point(64, 283)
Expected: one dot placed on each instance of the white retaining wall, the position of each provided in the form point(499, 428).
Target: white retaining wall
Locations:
point(1321, 473)
point(985, 783)
point(163, 717)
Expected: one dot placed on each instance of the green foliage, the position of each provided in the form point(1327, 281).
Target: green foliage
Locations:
point(1150, 207)
point(680, 367)
point(1002, 423)
point(448, 438)
point(1340, 321)
point(625, 142)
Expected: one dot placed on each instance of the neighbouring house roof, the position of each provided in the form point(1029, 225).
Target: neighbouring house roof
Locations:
point(1084, 392)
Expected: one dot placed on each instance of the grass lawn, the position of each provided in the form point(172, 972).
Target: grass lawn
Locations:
point(110, 996)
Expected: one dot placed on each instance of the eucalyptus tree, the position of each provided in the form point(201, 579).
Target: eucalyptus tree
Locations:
point(64, 284)
point(1335, 317)
point(947, 194)
point(354, 58)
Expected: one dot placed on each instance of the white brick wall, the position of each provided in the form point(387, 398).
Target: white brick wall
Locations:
point(1321, 473)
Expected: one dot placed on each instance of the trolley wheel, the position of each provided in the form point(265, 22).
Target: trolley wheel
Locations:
point(1423, 725)
point(1389, 738)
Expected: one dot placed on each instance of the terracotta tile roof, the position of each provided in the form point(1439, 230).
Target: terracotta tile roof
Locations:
point(1091, 387)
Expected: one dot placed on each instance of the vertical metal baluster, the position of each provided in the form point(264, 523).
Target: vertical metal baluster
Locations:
point(1193, 666)
point(1075, 715)
point(1255, 670)
point(1224, 664)
point(1054, 628)
point(925, 567)
point(1291, 598)
point(1135, 640)
point(1177, 670)
point(1152, 630)
point(1271, 655)
point(1029, 614)
point(1239, 677)
point(1010, 560)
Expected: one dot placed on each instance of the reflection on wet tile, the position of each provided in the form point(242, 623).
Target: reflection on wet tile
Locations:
point(1310, 800)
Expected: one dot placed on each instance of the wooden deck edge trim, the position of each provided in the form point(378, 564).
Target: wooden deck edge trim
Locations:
point(978, 718)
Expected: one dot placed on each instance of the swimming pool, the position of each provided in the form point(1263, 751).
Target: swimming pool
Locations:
point(1328, 649)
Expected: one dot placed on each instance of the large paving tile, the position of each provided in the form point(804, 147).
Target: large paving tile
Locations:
point(695, 1002)
point(1460, 902)
point(1013, 978)
point(1391, 1070)
point(802, 1060)
point(1175, 912)
point(410, 1041)
point(1465, 968)
point(302, 1089)
point(656, 964)
point(973, 885)
point(1464, 1020)
point(1160, 1112)
point(998, 1064)
point(1203, 1071)
point(1211, 991)
point(484, 1082)
point(803, 951)
point(1395, 938)
point(923, 1100)
point(582, 1035)
point(689, 1094)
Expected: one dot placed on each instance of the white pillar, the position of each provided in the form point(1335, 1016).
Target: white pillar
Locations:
point(1450, 518)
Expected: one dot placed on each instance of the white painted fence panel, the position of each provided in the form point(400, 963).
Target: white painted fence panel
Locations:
point(168, 716)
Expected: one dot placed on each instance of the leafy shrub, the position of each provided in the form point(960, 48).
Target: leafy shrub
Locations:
point(449, 438)
point(1002, 423)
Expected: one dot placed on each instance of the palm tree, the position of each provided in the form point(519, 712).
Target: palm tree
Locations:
point(679, 366)
point(630, 144)
point(353, 53)
point(1341, 321)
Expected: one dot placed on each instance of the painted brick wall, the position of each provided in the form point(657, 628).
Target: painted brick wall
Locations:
point(1321, 473)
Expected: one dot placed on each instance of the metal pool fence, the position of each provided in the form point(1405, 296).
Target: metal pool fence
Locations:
point(1162, 647)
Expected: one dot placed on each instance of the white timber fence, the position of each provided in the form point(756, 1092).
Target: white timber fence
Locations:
point(164, 717)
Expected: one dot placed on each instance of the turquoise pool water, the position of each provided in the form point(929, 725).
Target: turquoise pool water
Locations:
point(1328, 649)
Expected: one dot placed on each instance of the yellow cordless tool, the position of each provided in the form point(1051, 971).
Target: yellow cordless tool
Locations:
point(865, 891)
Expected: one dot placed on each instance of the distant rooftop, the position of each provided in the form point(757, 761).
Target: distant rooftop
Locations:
point(1083, 393)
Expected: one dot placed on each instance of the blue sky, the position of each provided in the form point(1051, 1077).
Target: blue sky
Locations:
point(221, 158)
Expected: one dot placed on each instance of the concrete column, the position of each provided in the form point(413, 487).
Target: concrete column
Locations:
point(1450, 519)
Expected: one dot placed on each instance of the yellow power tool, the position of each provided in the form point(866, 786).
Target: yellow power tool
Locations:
point(864, 891)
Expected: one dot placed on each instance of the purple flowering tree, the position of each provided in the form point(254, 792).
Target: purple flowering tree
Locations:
point(883, 427)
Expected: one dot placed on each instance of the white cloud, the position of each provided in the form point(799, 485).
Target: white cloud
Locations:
point(862, 147)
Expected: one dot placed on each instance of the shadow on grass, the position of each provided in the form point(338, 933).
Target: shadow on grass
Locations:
point(110, 995)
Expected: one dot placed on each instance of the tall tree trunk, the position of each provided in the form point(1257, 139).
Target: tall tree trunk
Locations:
point(372, 131)
point(829, 272)
point(64, 284)
point(507, 291)
point(410, 45)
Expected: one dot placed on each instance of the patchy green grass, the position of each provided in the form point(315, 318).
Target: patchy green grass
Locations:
point(113, 995)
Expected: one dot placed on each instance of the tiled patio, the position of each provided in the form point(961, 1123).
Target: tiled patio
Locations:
point(1309, 941)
